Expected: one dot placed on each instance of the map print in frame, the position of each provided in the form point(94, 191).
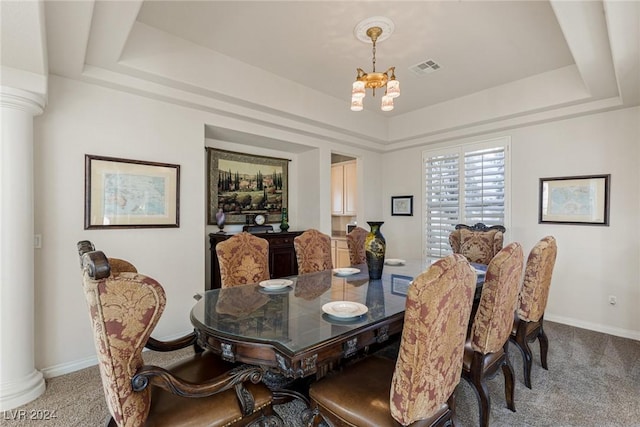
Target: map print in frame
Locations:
point(245, 185)
point(575, 200)
point(123, 193)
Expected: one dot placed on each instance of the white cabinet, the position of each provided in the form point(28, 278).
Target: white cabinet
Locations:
point(343, 188)
point(340, 253)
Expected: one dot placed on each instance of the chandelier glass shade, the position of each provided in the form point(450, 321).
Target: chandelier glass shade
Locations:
point(374, 80)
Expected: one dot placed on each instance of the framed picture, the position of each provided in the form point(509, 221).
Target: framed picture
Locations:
point(575, 200)
point(123, 193)
point(402, 205)
point(400, 284)
point(244, 185)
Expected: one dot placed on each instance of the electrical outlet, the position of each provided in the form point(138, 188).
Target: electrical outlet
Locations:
point(613, 300)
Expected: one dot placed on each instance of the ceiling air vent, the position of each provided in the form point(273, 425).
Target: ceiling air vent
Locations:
point(425, 67)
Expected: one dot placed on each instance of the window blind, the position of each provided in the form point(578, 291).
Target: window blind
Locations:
point(465, 185)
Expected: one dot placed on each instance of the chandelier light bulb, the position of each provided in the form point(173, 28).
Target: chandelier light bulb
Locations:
point(358, 90)
point(393, 88)
point(387, 103)
point(356, 104)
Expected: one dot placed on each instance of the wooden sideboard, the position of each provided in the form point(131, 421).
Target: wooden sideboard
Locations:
point(282, 255)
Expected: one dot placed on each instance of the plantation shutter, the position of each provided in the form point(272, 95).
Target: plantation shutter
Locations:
point(442, 197)
point(484, 187)
point(466, 185)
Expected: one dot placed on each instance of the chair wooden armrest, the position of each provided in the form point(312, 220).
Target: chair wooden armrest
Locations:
point(164, 379)
point(177, 344)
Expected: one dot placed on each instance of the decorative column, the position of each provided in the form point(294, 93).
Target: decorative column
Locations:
point(20, 382)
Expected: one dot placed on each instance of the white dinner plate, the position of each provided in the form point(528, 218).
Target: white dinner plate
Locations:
point(344, 309)
point(274, 284)
point(342, 320)
point(394, 261)
point(347, 271)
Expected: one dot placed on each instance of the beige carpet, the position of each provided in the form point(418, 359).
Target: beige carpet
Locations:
point(593, 380)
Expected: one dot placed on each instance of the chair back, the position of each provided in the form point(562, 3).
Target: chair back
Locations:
point(537, 279)
point(355, 243)
point(478, 243)
point(124, 310)
point(117, 265)
point(313, 251)
point(243, 258)
point(430, 359)
point(84, 246)
point(121, 266)
point(494, 318)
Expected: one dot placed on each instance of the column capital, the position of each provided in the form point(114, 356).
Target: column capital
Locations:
point(21, 100)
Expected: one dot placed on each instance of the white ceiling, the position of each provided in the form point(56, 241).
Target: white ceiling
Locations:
point(479, 45)
point(283, 69)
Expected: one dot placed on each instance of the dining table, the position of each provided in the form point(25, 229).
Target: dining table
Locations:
point(303, 325)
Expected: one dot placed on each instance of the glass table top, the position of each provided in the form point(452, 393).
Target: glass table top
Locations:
point(292, 318)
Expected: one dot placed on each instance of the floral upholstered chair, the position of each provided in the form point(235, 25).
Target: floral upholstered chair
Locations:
point(198, 390)
point(243, 258)
point(415, 390)
point(355, 243)
point(487, 346)
point(527, 325)
point(478, 243)
point(313, 251)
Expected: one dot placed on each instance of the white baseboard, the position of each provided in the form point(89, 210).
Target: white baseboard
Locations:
point(618, 332)
point(67, 368)
point(76, 365)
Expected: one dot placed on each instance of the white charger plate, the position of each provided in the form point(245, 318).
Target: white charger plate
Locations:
point(394, 261)
point(344, 309)
point(347, 271)
point(275, 284)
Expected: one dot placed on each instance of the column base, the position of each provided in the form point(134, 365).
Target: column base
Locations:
point(18, 392)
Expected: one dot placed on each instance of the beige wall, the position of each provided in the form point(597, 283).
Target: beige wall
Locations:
point(593, 262)
point(86, 119)
point(81, 119)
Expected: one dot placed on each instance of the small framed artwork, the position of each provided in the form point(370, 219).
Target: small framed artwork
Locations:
point(574, 200)
point(402, 205)
point(123, 193)
point(245, 186)
point(400, 284)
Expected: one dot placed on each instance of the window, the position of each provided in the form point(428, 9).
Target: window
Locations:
point(466, 184)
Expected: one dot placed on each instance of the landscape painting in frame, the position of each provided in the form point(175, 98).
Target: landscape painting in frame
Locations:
point(243, 184)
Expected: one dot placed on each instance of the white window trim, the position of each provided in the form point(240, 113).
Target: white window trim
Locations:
point(504, 141)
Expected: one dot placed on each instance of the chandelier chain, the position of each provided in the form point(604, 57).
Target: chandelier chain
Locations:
point(374, 56)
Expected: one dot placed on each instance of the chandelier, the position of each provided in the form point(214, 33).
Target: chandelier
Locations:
point(374, 30)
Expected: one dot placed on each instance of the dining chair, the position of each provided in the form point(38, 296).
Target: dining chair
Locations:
point(479, 243)
point(528, 320)
point(417, 389)
point(355, 243)
point(486, 349)
point(198, 390)
point(243, 258)
point(313, 251)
